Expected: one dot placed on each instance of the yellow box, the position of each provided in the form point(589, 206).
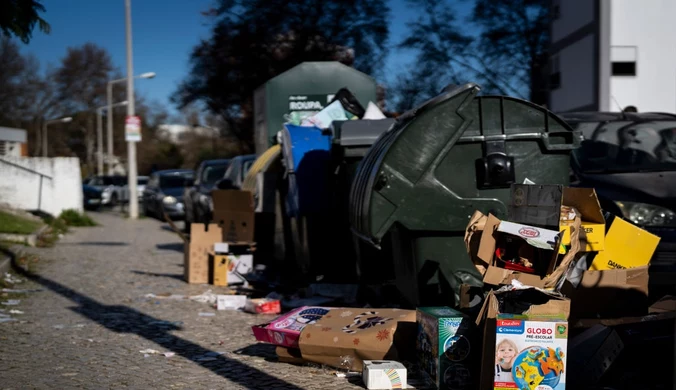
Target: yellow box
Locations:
point(593, 236)
point(593, 224)
point(626, 246)
point(219, 266)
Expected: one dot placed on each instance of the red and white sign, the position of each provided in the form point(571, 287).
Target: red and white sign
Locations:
point(132, 129)
point(529, 232)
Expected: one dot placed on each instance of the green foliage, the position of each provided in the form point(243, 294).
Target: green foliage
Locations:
point(14, 224)
point(76, 219)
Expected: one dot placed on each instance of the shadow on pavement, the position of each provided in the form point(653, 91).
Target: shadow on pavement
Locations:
point(123, 319)
point(174, 246)
point(97, 243)
point(175, 276)
point(266, 351)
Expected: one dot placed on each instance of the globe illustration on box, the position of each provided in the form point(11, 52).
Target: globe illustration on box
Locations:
point(538, 368)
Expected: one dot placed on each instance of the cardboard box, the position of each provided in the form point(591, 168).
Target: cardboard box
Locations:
point(285, 330)
point(446, 348)
point(230, 302)
point(540, 205)
point(234, 212)
point(289, 355)
point(609, 294)
point(593, 223)
point(225, 270)
point(196, 254)
point(384, 374)
point(626, 246)
point(542, 239)
point(345, 337)
point(530, 353)
point(515, 304)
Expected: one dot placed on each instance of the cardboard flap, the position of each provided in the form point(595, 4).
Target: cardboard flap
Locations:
point(632, 278)
point(585, 201)
point(555, 306)
point(233, 200)
point(487, 243)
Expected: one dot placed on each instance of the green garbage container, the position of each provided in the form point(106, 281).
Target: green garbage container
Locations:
point(423, 178)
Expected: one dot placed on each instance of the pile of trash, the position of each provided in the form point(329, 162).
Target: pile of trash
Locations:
point(564, 304)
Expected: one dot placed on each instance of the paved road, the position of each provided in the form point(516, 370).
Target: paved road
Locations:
point(86, 328)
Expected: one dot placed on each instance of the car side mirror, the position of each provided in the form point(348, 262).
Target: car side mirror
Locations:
point(224, 184)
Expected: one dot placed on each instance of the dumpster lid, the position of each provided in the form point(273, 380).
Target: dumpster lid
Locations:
point(359, 132)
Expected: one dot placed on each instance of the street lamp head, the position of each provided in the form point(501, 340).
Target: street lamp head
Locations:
point(67, 119)
point(148, 75)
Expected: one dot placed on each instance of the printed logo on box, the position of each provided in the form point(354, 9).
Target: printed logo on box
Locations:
point(529, 232)
point(510, 326)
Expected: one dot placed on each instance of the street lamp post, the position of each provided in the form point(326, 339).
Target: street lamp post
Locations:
point(131, 145)
point(99, 133)
point(44, 131)
point(109, 101)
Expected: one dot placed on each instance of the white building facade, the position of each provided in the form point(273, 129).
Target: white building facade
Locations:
point(610, 54)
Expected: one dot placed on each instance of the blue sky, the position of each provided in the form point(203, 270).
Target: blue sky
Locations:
point(164, 33)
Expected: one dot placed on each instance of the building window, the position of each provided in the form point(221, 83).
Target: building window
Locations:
point(623, 60)
point(554, 73)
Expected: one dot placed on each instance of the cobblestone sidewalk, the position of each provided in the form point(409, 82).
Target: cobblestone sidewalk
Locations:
point(86, 327)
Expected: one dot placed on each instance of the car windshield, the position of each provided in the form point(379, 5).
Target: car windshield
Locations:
point(172, 181)
point(627, 146)
point(102, 181)
point(213, 173)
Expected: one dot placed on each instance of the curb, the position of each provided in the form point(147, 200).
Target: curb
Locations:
point(5, 263)
point(28, 239)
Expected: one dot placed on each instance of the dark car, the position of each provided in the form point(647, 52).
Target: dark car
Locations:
point(197, 197)
point(238, 169)
point(92, 197)
point(164, 191)
point(630, 159)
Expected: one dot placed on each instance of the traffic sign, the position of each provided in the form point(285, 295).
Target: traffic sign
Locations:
point(132, 129)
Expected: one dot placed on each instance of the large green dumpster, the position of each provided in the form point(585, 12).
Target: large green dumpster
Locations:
point(307, 87)
point(457, 153)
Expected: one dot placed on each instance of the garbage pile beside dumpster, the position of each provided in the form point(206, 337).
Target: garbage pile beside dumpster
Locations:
point(504, 275)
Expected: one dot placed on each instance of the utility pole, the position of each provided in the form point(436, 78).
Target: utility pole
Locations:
point(131, 145)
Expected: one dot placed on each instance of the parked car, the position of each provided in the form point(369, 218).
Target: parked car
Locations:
point(141, 182)
point(197, 195)
point(91, 197)
point(238, 169)
point(114, 189)
point(630, 159)
point(164, 191)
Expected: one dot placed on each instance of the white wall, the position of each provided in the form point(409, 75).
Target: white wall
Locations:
point(573, 14)
point(649, 26)
point(20, 188)
point(576, 65)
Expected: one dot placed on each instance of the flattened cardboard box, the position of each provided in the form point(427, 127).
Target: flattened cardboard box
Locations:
point(345, 337)
point(196, 253)
point(234, 212)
